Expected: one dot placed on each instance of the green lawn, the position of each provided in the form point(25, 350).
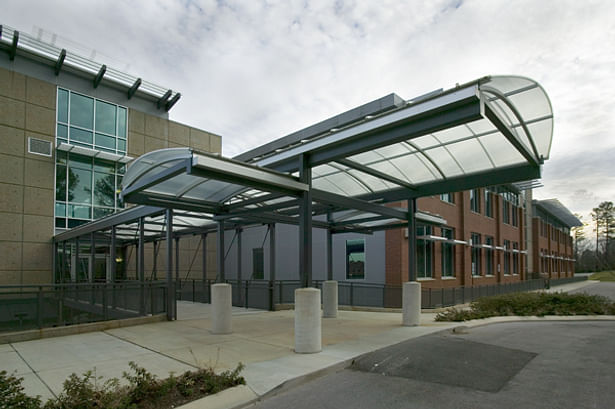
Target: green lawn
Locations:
point(603, 276)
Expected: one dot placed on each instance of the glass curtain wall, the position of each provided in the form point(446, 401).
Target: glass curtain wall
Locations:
point(448, 254)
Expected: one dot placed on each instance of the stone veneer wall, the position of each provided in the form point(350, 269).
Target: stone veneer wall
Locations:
point(27, 109)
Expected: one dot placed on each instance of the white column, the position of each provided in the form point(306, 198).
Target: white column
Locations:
point(411, 304)
point(221, 308)
point(329, 299)
point(308, 331)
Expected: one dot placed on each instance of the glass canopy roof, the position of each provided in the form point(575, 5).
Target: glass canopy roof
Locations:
point(491, 131)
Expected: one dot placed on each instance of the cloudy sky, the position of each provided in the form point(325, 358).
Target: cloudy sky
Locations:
point(253, 71)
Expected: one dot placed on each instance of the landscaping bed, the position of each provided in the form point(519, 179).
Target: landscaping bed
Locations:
point(531, 304)
point(143, 391)
point(603, 276)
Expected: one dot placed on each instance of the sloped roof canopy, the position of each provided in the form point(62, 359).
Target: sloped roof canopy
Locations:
point(491, 131)
point(555, 208)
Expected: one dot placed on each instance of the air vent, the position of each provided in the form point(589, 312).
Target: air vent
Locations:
point(39, 147)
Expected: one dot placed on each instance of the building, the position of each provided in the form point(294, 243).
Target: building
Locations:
point(68, 127)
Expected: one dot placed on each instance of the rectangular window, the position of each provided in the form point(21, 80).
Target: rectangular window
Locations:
point(507, 254)
point(448, 254)
point(424, 253)
point(505, 212)
point(475, 200)
point(355, 259)
point(447, 197)
point(515, 269)
point(515, 215)
point(476, 254)
point(488, 203)
point(258, 264)
point(90, 122)
point(489, 256)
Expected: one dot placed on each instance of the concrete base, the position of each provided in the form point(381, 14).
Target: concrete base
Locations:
point(411, 304)
point(308, 328)
point(329, 299)
point(221, 309)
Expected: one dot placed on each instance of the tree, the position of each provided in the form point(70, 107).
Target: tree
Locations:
point(578, 235)
point(604, 218)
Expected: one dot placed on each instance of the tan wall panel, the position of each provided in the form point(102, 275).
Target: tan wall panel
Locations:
point(11, 197)
point(12, 84)
point(37, 277)
point(40, 119)
point(136, 144)
point(8, 277)
point(11, 169)
point(37, 256)
point(152, 144)
point(156, 127)
point(136, 121)
point(179, 134)
point(13, 140)
point(12, 112)
point(11, 255)
point(199, 140)
point(12, 229)
point(38, 201)
point(39, 173)
point(40, 93)
point(216, 144)
point(37, 228)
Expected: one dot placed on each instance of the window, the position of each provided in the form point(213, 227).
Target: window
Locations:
point(448, 254)
point(507, 254)
point(86, 189)
point(515, 215)
point(258, 264)
point(424, 253)
point(488, 203)
point(475, 200)
point(476, 254)
point(90, 122)
point(489, 256)
point(355, 259)
point(505, 212)
point(447, 197)
point(515, 269)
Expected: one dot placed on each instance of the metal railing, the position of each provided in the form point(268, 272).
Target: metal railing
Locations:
point(24, 307)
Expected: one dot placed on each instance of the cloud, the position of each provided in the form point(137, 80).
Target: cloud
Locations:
point(253, 71)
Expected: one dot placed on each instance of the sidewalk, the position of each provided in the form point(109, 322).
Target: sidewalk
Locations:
point(263, 341)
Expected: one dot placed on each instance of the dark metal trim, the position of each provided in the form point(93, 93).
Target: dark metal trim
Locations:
point(373, 172)
point(134, 88)
point(352, 203)
point(163, 99)
point(100, 75)
point(60, 62)
point(13, 48)
point(172, 102)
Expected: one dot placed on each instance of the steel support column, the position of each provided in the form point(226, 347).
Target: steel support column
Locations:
point(204, 265)
point(239, 272)
point(220, 251)
point(305, 224)
point(329, 249)
point(171, 313)
point(65, 265)
point(177, 283)
point(76, 259)
point(92, 258)
point(113, 255)
point(141, 264)
point(271, 264)
point(411, 240)
point(54, 261)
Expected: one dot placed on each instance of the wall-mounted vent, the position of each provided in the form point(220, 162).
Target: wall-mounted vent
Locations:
point(39, 147)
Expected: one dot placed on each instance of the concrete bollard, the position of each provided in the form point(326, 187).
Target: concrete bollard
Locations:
point(329, 299)
point(221, 308)
point(308, 331)
point(411, 304)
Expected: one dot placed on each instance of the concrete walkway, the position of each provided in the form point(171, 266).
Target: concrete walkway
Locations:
point(261, 340)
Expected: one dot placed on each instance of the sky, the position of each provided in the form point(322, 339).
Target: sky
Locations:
point(253, 71)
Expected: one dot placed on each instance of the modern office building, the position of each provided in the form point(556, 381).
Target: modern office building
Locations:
point(68, 127)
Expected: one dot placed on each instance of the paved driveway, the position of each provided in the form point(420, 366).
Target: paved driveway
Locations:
point(514, 365)
point(605, 289)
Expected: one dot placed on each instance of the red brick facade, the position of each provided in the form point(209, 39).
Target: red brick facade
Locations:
point(507, 238)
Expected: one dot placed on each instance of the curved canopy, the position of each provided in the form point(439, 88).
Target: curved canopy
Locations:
point(491, 131)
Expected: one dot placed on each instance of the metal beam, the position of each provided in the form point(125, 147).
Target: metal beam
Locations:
point(141, 264)
point(238, 231)
point(113, 256)
point(351, 203)
point(134, 88)
point(163, 100)
point(258, 210)
point(13, 48)
point(171, 312)
point(220, 250)
point(329, 250)
point(251, 201)
point(512, 137)
point(151, 180)
point(305, 224)
point(204, 264)
point(92, 259)
point(411, 241)
point(100, 75)
point(167, 201)
point(60, 62)
point(172, 102)
point(376, 173)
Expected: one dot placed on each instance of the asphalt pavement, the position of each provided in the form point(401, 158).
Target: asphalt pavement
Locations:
point(507, 365)
point(605, 289)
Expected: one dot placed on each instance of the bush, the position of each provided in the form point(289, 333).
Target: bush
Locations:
point(12, 396)
point(144, 390)
point(526, 304)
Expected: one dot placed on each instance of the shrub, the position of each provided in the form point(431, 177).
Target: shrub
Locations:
point(12, 396)
point(524, 304)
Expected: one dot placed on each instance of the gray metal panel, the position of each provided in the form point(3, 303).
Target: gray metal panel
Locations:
point(379, 105)
point(559, 211)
